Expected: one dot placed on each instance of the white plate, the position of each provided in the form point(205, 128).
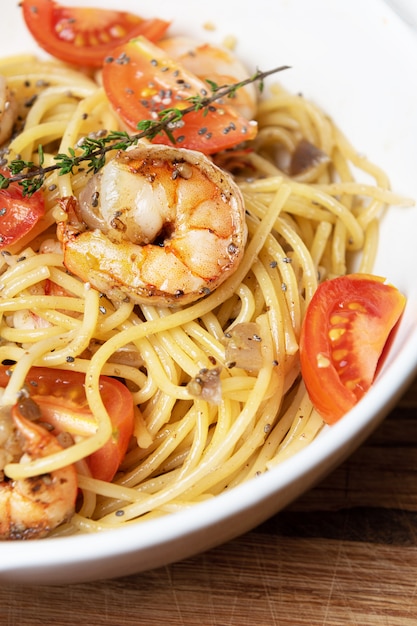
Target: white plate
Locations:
point(358, 60)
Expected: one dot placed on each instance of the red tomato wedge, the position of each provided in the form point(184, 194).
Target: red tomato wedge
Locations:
point(85, 36)
point(344, 332)
point(18, 213)
point(141, 81)
point(61, 397)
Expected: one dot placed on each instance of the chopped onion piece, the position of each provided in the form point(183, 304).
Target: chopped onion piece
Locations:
point(307, 160)
point(243, 347)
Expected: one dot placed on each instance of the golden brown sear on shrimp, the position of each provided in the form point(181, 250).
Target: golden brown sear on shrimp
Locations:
point(31, 507)
point(216, 64)
point(157, 225)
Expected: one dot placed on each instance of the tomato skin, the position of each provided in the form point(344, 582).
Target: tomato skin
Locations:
point(84, 36)
point(61, 397)
point(18, 213)
point(343, 335)
point(140, 81)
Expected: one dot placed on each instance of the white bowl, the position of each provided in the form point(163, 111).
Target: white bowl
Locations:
point(358, 61)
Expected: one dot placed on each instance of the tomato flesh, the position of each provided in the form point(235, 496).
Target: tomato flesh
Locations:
point(60, 394)
point(18, 213)
point(343, 335)
point(141, 81)
point(82, 35)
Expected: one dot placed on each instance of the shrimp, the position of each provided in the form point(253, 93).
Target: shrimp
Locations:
point(158, 225)
point(8, 111)
point(30, 508)
point(216, 64)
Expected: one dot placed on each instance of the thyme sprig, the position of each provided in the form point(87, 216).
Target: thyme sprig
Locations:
point(91, 151)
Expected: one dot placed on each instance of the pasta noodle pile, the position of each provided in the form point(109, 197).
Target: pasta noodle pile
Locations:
point(305, 224)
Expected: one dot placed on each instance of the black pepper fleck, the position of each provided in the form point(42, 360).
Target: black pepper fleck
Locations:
point(94, 199)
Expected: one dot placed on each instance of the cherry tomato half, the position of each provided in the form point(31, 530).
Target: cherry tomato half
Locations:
point(61, 397)
point(84, 36)
point(141, 81)
point(344, 332)
point(18, 213)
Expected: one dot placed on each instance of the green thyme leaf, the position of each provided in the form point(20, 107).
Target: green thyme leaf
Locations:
point(4, 182)
point(94, 149)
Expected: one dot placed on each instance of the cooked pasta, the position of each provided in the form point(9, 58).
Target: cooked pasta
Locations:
point(204, 420)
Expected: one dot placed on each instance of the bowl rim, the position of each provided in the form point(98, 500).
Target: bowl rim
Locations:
point(339, 439)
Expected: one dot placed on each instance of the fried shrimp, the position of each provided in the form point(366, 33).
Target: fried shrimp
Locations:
point(157, 225)
point(216, 64)
point(30, 508)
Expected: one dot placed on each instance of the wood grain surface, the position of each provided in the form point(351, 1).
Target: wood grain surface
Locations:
point(343, 554)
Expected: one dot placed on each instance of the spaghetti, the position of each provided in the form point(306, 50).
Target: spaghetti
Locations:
point(306, 223)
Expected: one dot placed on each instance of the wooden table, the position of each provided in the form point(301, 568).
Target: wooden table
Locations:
point(343, 554)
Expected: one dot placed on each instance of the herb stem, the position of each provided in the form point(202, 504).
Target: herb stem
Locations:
point(31, 177)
